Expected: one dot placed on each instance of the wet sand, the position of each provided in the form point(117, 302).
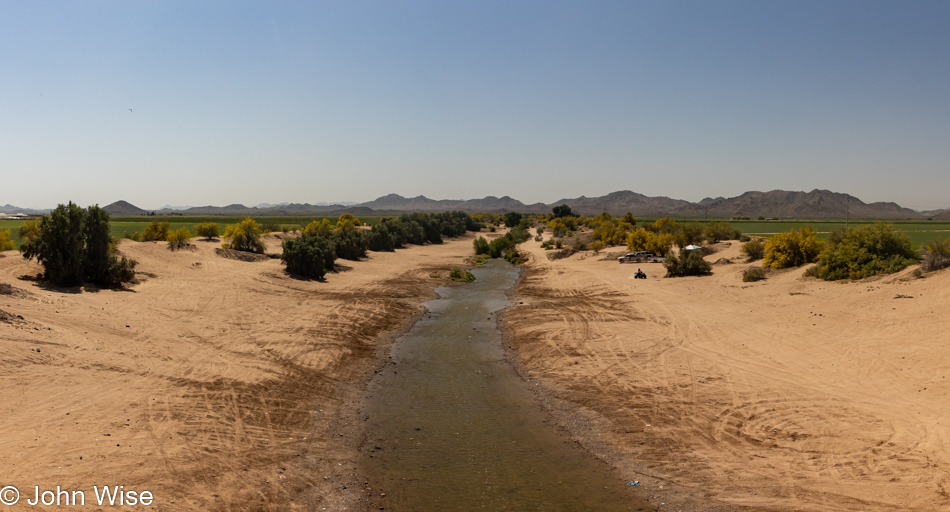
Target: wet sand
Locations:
point(785, 394)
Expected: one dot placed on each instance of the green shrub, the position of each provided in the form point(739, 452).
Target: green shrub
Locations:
point(308, 256)
point(156, 232)
point(753, 250)
point(744, 238)
point(512, 219)
point(514, 257)
point(135, 235)
point(753, 274)
point(74, 245)
point(209, 230)
point(791, 249)
point(481, 245)
point(688, 234)
point(6, 243)
point(688, 263)
point(244, 236)
point(937, 255)
point(179, 239)
point(864, 252)
point(597, 246)
point(460, 275)
point(349, 245)
point(558, 243)
point(269, 226)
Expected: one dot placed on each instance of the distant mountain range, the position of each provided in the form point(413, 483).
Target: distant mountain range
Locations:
point(817, 204)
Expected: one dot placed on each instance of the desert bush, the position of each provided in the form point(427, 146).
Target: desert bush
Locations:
point(481, 245)
point(512, 219)
point(688, 263)
point(688, 234)
point(308, 256)
point(666, 225)
point(460, 275)
point(597, 246)
point(268, 226)
point(558, 243)
point(318, 228)
point(74, 245)
point(643, 240)
point(29, 230)
point(135, 235)
point(209, 230)
point(744, 238)
point(6, 243)
point(179, 239)
point(937, 255)
point(558, 227)
point(864, 252)
point(156, 232)
point(753, 250)
point(791, 249)
point(514, 257)
point(244, 236)
point(753, 274)
point(349, 245)
point(716, 231)
point(347, 222)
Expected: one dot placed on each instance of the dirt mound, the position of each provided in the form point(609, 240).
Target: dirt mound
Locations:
point(723, 261)
point(11, 318)
point(560, 254)
point(231, 254)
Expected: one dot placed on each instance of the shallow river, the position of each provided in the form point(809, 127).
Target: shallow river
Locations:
point(452, 427)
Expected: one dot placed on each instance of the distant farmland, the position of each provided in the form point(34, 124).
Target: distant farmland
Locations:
point(919, 232)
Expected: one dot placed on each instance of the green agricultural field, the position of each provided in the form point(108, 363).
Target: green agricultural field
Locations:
point(919, 232)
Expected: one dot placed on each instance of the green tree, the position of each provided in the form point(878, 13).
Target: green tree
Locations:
point(74, 245)
point(512, 219)
point(563, 211)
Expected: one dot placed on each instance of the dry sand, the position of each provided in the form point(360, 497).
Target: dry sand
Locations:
point(785, 394)
point(215, 384)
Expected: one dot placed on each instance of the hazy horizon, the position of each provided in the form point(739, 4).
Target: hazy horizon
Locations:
point(194, 104)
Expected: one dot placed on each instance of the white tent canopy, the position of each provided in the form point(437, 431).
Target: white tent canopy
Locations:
point(691, 247)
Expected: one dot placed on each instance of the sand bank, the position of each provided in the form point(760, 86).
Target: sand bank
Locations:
point(785, 394)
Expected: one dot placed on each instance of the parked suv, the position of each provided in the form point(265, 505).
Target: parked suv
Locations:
point(638, 257)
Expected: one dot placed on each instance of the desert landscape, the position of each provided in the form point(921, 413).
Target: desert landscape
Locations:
point(213, 383)
point(217, 381)
point(790, 393)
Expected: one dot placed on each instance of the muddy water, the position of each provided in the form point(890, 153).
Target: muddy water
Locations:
point(452, 427)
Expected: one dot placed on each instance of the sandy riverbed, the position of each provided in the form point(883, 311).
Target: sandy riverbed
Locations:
point(215, 384)
point(785, 394)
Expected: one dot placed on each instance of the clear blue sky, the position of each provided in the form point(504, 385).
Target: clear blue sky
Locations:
point(321, 101)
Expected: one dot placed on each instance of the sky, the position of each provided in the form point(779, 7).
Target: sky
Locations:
point(220, 102)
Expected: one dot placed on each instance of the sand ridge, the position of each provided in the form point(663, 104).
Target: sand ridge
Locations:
point(215, 384)
point(785, 394)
